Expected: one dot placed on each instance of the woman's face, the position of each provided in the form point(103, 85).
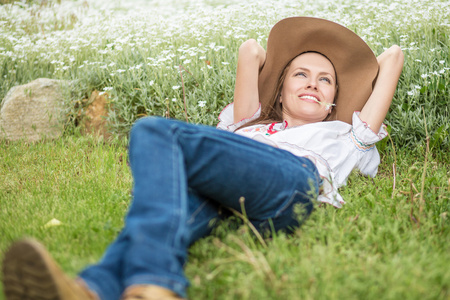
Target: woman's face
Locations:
point(310, 85)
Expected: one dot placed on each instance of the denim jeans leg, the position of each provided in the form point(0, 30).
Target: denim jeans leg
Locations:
point(169, 159)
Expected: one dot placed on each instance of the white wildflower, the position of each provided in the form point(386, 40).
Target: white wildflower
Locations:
point(201, 103)
point(442, 62)
point(176, 87)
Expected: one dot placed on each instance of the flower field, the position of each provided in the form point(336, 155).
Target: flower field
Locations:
point(139, 51)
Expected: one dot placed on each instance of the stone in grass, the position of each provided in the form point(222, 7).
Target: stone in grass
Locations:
point(33, 111)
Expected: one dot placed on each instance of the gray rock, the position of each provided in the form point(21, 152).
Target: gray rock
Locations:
point(33, 111)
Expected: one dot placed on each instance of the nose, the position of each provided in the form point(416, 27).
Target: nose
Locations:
point(312, 84)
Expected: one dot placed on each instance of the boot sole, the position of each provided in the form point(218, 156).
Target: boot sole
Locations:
point(27, 273)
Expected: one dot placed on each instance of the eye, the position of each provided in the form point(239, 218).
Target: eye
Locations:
point(302, 74)
point(326, 79)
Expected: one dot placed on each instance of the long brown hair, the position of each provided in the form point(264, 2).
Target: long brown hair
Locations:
point(273, 111)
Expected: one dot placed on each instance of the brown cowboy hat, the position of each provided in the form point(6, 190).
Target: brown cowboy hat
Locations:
point(355, 64)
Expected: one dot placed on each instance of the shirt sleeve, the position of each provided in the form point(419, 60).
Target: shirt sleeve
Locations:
point(226, 118)
point(364, 139)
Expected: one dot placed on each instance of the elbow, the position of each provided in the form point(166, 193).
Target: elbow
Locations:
point(251, 50)
point(395, 55)
point(249, 47)
point(392, 59)
point(398, 53)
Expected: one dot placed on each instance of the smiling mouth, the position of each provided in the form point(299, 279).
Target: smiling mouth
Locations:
point(310, 98)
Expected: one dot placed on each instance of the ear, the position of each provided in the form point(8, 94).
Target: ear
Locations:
point(281, 100)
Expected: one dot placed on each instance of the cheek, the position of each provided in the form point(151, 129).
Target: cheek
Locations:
point(283, 90)
point(329, 93)
point(289, 85)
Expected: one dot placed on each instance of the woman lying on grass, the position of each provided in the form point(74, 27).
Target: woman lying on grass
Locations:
point(297, 136)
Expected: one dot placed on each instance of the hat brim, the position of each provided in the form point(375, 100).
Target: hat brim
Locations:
point(354, 62)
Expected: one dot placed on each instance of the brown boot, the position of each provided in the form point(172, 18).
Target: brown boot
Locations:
point(149, 292)
point(29, 272)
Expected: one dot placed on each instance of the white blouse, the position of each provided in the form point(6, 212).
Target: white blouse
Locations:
point(335, 147)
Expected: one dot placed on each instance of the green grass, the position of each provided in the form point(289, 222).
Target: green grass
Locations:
point(81, 182)
point(384, 244)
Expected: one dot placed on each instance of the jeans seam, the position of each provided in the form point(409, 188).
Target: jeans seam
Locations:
point(177, 226)
point(197, 211)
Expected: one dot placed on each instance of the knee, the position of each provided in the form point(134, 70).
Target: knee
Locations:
point(147, 125)
point(147, 134)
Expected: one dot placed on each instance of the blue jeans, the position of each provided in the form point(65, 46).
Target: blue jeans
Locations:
point(183, 174)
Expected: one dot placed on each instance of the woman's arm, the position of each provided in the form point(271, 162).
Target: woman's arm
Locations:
point(376, 108)
point(246, 99)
